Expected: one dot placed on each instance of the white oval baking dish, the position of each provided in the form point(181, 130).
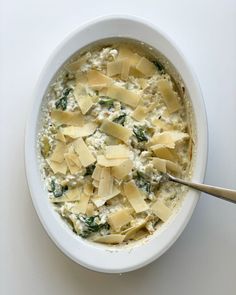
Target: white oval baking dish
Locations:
point(96, 256)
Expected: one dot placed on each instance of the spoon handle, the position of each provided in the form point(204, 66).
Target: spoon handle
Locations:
point(219, 192)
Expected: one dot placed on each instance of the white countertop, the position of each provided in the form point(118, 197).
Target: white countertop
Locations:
point(203, 260)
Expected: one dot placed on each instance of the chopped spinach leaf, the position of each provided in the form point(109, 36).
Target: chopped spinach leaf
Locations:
point(140, 134)
point(120, 119)
point(143, 182)
point(89, 170)
point(61, 103)
point(57, 189)
point(159, 66)
point(91, 224)
point(66, 91)
point(106, 101)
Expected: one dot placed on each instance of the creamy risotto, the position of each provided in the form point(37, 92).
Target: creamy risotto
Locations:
point(114, 121)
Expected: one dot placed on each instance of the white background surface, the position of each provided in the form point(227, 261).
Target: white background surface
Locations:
point(203, 260)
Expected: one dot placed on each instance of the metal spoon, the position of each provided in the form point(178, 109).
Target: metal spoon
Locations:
point(219, 192)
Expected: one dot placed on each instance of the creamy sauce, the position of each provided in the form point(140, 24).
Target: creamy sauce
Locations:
point(116, 220)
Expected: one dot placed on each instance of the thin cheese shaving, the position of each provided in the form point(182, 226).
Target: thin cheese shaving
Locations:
point(88, 188)
point(106, 183)
point(117, 151)
point(161, 151)
point(81, 206)
point(70, 196)
point(90, 210)
point(115, 130)
point(85, 156)
point(76, 132)
point(163, 165)
point(134, 197)
point(139, 113)
point(85, 103)
point(122, 170)
point(130, 232)
point(168, 138)
point(60, 136)
point(119, 219)
point(114, 68)
point(97, 173)
point(100, 201)
point(103, 161)
point(146, 67)
point(58, 152)
point(71, 164)
point(57, 167)
point(125, 96)
point(170, 97)
point(110, 239)
point(97, 80)
point(161, 210)
point(68, 118)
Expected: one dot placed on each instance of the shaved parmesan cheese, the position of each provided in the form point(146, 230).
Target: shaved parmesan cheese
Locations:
point(125, 52)
point(81, 206)
point(73, 165)
point(74, 158)
point(125, 96)
point(130, 232)
point(75, 132)
point(60, 136)
point(58, 152)
point(90, 210)
point(80, 89)
point(173, 167)
point(88, 188)
point(106, 183)
point(168, 138)
point(97, 173)
point(125, 69)
point(161, 151)
point(69, 118)
point(119, 67)
point(85, 156)
point(70, 196)
point(169, 96)
point(117, 151)
point(85, 103)
point(116, 130)
point(123, 169)
point(143, 83)
point(159, 164)
point(103, 161)
point(114, 68)
point(100, 201)
point(57, 167)
point(75, 66)
point(161, 210)
point(139, 113)
point(119, 219)
point(146, 67)
point(97, 80)
point(110, 239)
point(134, 197)
point(163, 165)
point(161, 124)
point(95, 183)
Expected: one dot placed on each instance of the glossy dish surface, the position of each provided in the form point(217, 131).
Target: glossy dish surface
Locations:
point(93, 255)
